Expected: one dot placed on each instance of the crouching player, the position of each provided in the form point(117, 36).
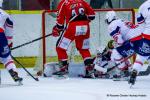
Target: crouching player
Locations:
point(105, 68)
point(122, 32)
point(6, 28)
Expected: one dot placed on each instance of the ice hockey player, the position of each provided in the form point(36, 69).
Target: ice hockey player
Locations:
point(102, 60)
point(122, 32)
point(142, 41)
point(6, 36)
point(73, 21)
point(105, 68)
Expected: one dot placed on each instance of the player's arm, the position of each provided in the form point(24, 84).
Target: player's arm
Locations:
point(59, 20)
point(9, 31)
point(114, 32)
point(142, 14)
point(89, 11)
point(61, 15)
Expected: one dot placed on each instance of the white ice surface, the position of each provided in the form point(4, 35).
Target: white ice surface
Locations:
point(72, 89)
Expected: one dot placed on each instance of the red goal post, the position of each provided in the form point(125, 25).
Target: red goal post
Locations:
point(97, 27)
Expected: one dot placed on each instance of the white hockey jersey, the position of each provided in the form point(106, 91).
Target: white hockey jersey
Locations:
point(6, 25)
point(143, 18)
point(121, 31)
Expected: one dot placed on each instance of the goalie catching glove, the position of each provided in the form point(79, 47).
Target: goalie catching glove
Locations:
point(56, 30)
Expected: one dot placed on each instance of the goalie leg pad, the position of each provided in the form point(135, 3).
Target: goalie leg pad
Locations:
point(50, 68)
point(101, 69)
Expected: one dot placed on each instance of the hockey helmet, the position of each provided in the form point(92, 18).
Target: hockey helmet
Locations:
point(110, 16)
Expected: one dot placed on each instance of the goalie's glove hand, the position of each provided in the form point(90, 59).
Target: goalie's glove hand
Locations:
point(56, 31)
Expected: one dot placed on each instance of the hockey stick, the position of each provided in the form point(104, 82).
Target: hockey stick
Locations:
point(25, 68)
point(116, 64)
point(145, 73)
point(108, 70)
point(30, 42)
point(0, 76)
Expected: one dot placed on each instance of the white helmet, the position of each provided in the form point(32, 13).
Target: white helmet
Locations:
point(110, 16)
point(1, 2)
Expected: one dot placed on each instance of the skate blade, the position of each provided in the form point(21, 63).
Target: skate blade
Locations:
point(93, 76)
point(131, 86)
point(19, 83)
point(120, 79)
point(60, 76)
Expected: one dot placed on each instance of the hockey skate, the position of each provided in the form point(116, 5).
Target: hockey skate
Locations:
point(63, 71)
point(132, 78)
point(15, 77)
point(119, 78)
point(123, 76)
point(90, 71)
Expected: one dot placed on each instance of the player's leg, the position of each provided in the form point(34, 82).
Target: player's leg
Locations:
point(136, 68)
point(117, 58)
point(6, 59)
point(61, 49)
point(82, 44)
point(88, 62)
point(11, 67)
point(141, 47)
point(124, 51)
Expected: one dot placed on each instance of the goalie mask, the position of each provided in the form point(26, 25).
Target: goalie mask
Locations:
point(110, 16)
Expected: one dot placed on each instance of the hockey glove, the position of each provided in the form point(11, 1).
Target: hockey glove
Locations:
point(130, 25)
point(111, 44)
point(56, 31)
point(10, 45)
point(10, 42)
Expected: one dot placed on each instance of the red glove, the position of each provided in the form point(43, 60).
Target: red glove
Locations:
point(56, 31)
point(130, 25)
point(10, 45)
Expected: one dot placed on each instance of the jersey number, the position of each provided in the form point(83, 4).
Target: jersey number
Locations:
point(75, 12)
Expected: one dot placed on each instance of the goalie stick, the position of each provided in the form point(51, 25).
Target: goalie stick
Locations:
point(145, 73)
point(30, 42)
point(36, 79)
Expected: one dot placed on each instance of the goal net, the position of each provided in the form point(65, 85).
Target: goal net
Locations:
point(99, 35)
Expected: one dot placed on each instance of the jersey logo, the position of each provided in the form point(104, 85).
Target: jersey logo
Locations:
point(6, 50)
point(145, 48)
point(81, 30)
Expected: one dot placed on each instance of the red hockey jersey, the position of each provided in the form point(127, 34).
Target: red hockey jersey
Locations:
point(74, 10)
